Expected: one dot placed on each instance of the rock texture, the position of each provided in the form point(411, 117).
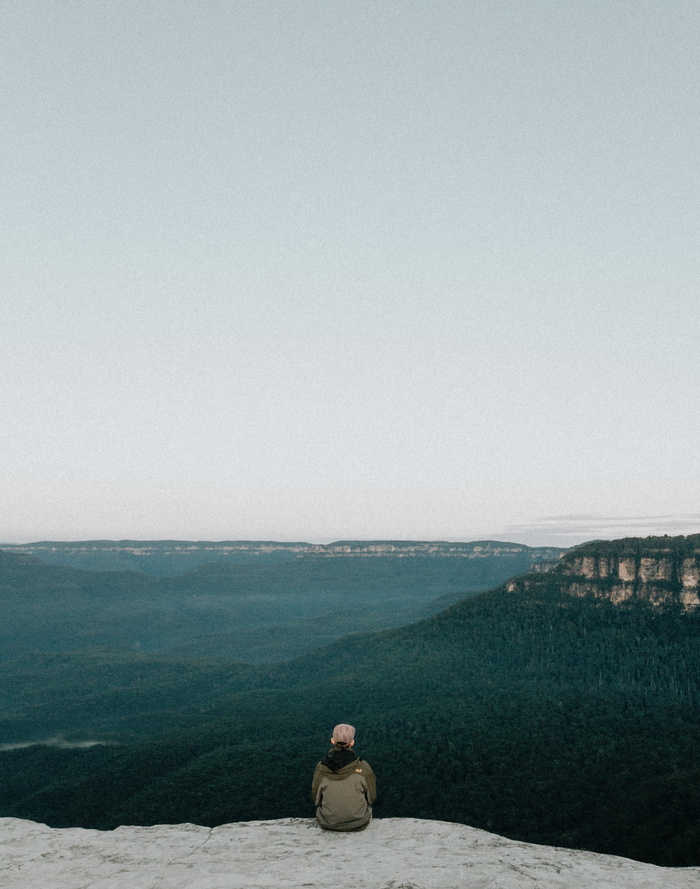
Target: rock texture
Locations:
point(659, 570)
point(293, 853)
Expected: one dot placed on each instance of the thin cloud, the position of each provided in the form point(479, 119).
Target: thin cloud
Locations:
point(568, 530)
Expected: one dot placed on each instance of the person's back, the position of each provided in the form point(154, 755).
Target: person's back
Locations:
point(344, 786)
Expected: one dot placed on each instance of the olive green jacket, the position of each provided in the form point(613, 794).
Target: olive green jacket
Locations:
point(344, 798)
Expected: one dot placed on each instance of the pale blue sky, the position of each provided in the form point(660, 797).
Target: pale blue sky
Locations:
point(321, 270)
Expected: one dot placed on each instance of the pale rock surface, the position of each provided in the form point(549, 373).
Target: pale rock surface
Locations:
point(293, 853)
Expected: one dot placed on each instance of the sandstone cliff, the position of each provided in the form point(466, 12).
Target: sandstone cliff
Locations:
point(400, 549)
point(663, 571)
point(170, 557)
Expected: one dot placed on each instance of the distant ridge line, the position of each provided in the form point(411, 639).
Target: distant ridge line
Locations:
point(66, 544)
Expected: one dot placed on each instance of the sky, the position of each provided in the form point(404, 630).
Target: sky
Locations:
point(316, 270)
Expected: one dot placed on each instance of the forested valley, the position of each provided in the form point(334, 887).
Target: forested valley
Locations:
point(532, 714)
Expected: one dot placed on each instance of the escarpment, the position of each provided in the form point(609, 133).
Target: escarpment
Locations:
point(663, 571)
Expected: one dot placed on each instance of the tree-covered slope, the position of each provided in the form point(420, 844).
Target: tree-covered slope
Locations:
point(254, 612)
point(536, 715)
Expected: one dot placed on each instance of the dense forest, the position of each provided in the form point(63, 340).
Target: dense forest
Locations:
point(534, 715)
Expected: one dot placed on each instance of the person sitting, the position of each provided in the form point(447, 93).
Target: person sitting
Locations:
point(344, 785)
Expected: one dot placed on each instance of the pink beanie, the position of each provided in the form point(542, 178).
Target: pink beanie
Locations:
point(344, 733)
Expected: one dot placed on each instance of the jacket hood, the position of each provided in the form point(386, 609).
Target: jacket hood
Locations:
point(340, 763)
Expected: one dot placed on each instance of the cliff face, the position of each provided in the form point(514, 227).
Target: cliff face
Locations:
point(659, 570)
point(481, 549)
point(343, 548)
point(170, 557)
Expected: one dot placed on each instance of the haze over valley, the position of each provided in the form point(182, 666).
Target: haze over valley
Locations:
point(250, 601)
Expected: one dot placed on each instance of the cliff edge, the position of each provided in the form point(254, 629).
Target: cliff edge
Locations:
point(291, 853)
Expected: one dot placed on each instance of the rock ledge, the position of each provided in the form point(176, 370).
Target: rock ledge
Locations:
point(293, 853)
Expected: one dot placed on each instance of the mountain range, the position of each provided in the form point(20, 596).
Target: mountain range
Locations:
point(271, 603)
point(552, 709)
point(171, 557)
